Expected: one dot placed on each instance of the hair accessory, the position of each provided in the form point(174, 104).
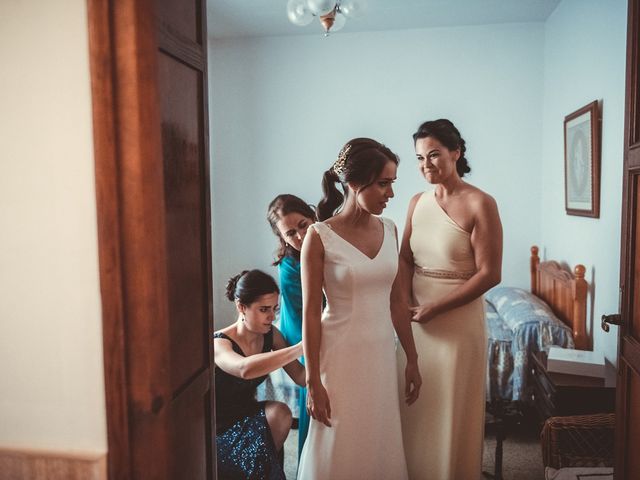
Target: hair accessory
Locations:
point(338, 166)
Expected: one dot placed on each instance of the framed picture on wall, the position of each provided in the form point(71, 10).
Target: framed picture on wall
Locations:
point(582, 161)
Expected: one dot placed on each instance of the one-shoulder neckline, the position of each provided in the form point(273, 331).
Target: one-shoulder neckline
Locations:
point(384, 238)
point(444, 212)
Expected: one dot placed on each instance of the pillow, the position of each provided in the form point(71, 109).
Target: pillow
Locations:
point(579, 473)
point(518, 307)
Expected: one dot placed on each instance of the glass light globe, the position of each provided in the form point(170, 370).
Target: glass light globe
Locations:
point(338, 22)
point(353, 8)
point(298, 13)
point(321, 7)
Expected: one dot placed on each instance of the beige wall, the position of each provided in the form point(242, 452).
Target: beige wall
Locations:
point(51, 369)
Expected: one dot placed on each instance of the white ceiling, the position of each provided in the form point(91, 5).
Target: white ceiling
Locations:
point(257, 18)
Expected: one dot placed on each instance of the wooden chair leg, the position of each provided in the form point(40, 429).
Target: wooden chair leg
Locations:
point(500, 436)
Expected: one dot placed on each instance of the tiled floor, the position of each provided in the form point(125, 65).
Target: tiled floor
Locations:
point(522, 455)
point(291, 455)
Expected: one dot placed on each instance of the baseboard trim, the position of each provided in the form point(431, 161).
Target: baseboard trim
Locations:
point(27, 464)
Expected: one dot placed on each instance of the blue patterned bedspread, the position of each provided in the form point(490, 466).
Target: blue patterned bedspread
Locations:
point(517, 324)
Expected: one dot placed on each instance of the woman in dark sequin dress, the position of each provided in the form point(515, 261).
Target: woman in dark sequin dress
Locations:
point(250, 434)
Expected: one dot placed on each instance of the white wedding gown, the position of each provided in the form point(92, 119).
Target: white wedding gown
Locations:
point(357, 367)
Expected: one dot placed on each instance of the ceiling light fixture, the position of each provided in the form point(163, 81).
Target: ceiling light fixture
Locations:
point(331, 13)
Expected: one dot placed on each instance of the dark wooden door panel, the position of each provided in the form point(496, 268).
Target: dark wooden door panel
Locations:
point(183, 148)
point(190, 417)
point(634, 156)
point(628, 422)
point(183, 19)
point(634, 316)
point(182, 86)
point(633, 419)
point(628, 388)
point(633, 86)
point(148, 70)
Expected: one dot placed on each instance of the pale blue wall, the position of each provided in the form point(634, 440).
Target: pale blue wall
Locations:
point(584, 60)
point(286, 105)
point(282, 107)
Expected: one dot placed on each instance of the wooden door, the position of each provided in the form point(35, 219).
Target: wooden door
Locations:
point(149, 88)
point(628, 385)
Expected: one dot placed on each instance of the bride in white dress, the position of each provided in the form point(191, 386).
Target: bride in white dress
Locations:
point(355, 431)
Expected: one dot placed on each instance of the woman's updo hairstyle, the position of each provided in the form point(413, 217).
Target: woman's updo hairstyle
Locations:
point(279, 207)
point(247, 286)
point(448, 135)
point(360, 161)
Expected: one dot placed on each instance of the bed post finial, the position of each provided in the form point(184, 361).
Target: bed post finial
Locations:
point(580, 308)
point(535, 261)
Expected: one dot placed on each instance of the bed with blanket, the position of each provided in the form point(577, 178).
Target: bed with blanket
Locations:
point(519, 322)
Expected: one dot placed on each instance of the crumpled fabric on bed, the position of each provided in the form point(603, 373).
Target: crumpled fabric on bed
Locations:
point(533, 328)
point(499, 358)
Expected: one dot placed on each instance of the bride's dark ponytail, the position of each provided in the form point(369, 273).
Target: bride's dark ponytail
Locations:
point(360, 161)
point(332, 198)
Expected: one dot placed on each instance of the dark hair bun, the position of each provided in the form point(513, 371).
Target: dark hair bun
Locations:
point(232, 284)
point(249, 285)
point(462, 166)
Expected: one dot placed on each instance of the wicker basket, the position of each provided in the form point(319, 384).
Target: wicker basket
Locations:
point(578, 441)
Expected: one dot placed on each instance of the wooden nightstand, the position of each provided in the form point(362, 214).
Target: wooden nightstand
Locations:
point(559, 394)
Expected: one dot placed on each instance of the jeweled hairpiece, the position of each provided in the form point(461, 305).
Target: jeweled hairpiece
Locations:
point(339, 165)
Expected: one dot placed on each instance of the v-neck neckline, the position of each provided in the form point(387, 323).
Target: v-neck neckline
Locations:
point(384, 237)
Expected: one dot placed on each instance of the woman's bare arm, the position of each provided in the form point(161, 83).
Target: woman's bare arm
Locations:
point(312, 274)
point(253, 366)
point(295, 369)
point(406, 264)
point(401, 294)
point(402, 325)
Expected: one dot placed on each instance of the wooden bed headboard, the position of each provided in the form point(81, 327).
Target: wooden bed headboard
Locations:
point(564, 292)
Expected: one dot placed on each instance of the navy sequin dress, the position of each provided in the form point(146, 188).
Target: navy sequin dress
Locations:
point(244, 444)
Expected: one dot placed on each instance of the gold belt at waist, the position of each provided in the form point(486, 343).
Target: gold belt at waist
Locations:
point(438, 273)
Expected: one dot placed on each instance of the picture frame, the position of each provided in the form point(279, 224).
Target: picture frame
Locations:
point(582, 161)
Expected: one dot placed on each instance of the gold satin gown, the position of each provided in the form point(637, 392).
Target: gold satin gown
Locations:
point(443, 430)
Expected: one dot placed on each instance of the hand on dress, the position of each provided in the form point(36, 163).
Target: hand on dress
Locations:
point(423, 313)
point(318, 404)
point(413, 382)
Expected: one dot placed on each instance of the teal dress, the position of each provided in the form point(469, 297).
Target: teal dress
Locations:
point(291, 327)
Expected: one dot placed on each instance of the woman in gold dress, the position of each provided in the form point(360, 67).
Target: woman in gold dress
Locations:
point(451, 254)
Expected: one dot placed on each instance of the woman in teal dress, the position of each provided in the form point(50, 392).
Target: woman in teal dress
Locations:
point(290, 217)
